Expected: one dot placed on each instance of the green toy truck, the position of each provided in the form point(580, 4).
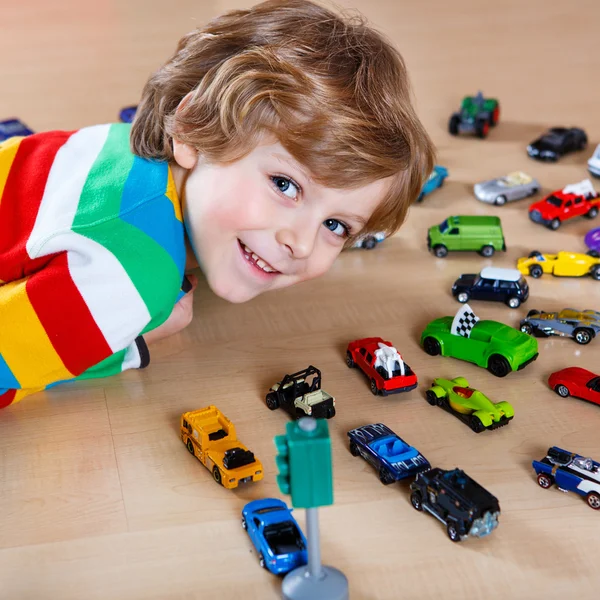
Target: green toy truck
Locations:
point(477, 114)
point(480, 234)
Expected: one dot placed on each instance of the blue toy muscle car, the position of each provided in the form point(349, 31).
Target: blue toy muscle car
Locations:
point(393, 458)
point(275, 534)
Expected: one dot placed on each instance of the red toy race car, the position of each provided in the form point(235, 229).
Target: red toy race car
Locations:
point(577, 382)
point(382, 364)
point(575, 200)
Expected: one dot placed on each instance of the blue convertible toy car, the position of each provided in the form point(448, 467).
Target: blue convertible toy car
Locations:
point(570, 472)
point(434, 181)
point(280, 543)
point(393, 458)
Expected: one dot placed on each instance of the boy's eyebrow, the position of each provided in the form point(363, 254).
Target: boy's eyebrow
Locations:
point(294, 164)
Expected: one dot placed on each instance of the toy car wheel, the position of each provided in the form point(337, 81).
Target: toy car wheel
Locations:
point(562, 390)
point(554, 224)
point(500, 200)
point(272, 402)
point(261, 561)
point(593, 253)
point(440, 250)
point(432, 346)
point(190, 447)
point(582, 336)
point(374, 388)
point(385, 477)
point(476, 425)
point(595, 272)
point(482, 128)
point(244, 524)
point(532, 313)
point(369, 243)
point(453, 532)
point(217, 475)
point(463, 297)
point(545, 481)
point(416, 500)
point(431, 397)
point(487, 251)
point(349, 360)
point(592, 213)
point(527, 328)
point(495, 116)
point(533, 254)
point(514, 302)
point(498, 365)
point(330, 413)
point(354, 449)
point(453, 124)
point(593, 500)
point(536, 271)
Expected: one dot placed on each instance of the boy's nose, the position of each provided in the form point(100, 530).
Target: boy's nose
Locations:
point(299, 242)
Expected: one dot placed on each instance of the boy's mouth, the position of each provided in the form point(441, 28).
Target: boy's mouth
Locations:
point(257, 261)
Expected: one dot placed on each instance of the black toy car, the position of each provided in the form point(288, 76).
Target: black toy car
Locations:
point(300, 394)
point(466, 508)
point(557, 142)
point(498, 285)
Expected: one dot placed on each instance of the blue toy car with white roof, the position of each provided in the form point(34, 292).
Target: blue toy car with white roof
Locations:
point(391, 456)
point(278, 539)
point(434, 181)
point(570, 472)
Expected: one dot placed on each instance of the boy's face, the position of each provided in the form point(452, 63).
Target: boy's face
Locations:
point(261, 223)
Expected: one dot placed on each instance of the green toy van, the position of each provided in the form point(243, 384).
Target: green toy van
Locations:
point(481, 234)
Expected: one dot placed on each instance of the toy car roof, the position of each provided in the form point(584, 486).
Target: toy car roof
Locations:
point(498, 273)
point(368, 433)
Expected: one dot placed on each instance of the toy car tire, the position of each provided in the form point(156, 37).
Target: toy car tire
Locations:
point(498, 365)
point(190, 447)
point(272, 402)
point(374, 388)
point(217, 475)
point(595, 272)
point(495, 116)
point(533, 312)
point(432, 346)
point(545, 480)
point(526, 328)
point(475, 424)
point(582, 336)
point(385, 477)
point(452, 532)
point(431, 397)
point(593, 253)
point(592, 213)
point(500, 200)
point(593, 500)
point(369, 243)
point(440, 250)
point(533, 254)
point(536, 271)
point(416, 501)
point(487, 251)
point(482, 128)
point(261, 560)
point(349, 360)
point(562, 390)
point(354, 449)
point(554, 224)
point(463, 297)
point(244, 524)
point(514, 302)
point(453, 124)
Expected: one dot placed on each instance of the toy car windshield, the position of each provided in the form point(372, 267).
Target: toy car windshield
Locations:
point(444, 225)
point(538, 256)
point(268, 509)
point(585, 463)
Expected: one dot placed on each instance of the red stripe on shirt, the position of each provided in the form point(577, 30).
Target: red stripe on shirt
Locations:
point(65, 316)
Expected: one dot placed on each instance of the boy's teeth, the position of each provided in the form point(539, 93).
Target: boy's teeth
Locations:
point(258, 260)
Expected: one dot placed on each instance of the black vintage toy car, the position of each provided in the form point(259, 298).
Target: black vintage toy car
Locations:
point(466, 508)
point(557, 142)
point(499, 285)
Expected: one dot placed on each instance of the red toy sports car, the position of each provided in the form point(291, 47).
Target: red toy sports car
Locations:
point(577, 382)
point(382, 364)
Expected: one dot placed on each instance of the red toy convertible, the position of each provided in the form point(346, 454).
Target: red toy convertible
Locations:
point(382, 364)
point(577, 382)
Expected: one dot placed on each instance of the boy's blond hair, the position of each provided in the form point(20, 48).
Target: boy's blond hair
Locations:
point(329, 88)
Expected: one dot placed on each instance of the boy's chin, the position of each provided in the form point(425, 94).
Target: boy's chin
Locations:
point(232, 291)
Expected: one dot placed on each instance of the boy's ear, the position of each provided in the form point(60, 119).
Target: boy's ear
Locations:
point(185, 156)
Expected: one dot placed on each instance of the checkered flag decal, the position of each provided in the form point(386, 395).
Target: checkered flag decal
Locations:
point(464, 321)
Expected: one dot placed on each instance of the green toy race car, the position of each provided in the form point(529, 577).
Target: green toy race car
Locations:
point(495, 346)
point(477, 114)
point(468, 404)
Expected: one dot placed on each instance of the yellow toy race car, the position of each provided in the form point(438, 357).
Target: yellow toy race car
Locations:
point(562, 264)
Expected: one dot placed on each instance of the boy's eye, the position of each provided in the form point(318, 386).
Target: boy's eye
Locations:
point(286, 186)
point(337, 227)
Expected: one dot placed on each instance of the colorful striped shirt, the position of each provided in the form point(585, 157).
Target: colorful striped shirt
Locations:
point(92, 255)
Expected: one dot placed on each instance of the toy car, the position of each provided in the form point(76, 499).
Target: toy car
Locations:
point(389, 454)
point(465, 507)
point(570, 472)
point(370, 240)
point(594, 162)
point(210, 436)
point(275, 534)
point(382, 364)
point(576, 382)
point(489, 344)
point(494, 284)
point(575, 200)
point(501, 190)
point(127, 114)
point(557, 142)
point(582, 326)
point(561, 264)
point(434, 181)
point(468, 404)
point(300, 395)
point(592, 241)
point(12, 128)
point(482, 234)
point(477, 114)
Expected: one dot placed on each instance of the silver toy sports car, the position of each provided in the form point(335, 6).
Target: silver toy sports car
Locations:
point(514, 186)
point(581, 325)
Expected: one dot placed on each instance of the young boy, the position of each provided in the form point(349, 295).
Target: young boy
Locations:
point(263, 147)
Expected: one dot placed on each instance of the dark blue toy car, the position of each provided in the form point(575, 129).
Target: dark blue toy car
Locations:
point(278, 539)
point(393, 458)
point(127, 114)
point(13, 127)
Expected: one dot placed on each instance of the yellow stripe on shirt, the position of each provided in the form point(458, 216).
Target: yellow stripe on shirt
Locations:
point(8, 151)
point(171, 194)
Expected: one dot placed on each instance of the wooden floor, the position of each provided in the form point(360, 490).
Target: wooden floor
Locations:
point(99, 498)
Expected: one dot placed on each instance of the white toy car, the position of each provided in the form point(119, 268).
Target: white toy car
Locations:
point(594, 162)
